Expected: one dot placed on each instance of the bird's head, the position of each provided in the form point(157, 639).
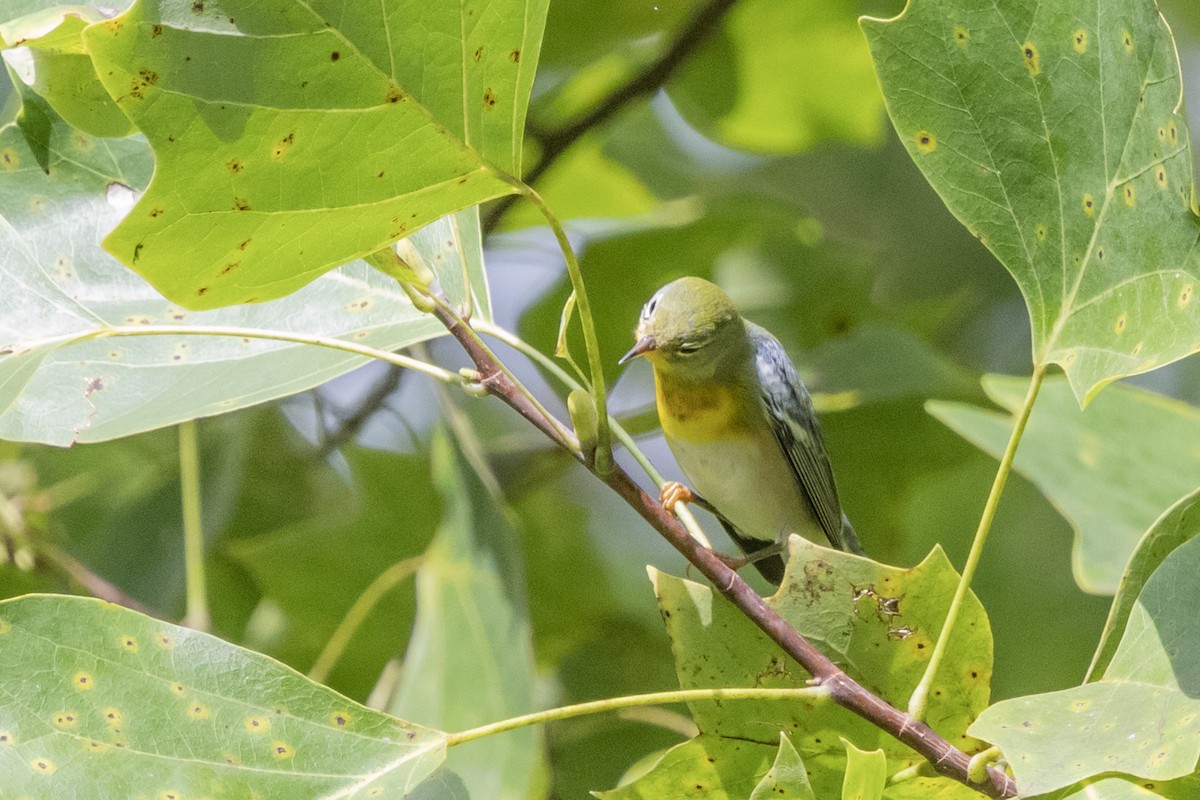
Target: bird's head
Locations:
point(688, 327)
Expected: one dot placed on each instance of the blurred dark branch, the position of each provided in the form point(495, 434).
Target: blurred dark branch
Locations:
point(944, 757)
point(649, 80)
point(349, 426)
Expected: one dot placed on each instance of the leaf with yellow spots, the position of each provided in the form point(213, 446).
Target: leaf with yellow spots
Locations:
point(1111, 470)
point(317, 132)
point(133, 735)
point(1141, 719)
point(1061, 136)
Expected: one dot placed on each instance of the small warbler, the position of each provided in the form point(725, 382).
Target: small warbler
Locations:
point(740, 423)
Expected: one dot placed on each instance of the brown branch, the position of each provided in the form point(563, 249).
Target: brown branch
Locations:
point(945, 758)
point(645, 83)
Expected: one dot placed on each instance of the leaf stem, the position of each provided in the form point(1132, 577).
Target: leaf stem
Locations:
point(278, 336)
point(918, 703)
point(358, 613)
point(586, 322)
point(193, 528)
point(632, 701)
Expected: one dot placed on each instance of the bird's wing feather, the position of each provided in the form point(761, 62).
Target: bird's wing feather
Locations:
point(794, 422)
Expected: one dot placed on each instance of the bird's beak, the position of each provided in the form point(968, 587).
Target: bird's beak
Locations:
point(643, 346)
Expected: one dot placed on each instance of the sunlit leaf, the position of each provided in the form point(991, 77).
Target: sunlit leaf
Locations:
point(291, 139)
point(1111, 469)
point(62, 382)
point(866, 773)
point(878, 622)
point(101, 702)
point(1054, 131)
point(45, 52)
point(782, 77)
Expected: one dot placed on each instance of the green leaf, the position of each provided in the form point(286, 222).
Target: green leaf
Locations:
point(102, 702)
point(1110, 789)
point(470, 658)
point(60, 382)
point(705, 768)
point(45, 52)
point(1110, 470)
point(1143, 718)
point(883, 639)
point(1054, 131)
point(787, 779)
point(584, 182)
point(312, 569)
point(866, 773)
point(734, 90)
point(292, 139)
point(1176, 526)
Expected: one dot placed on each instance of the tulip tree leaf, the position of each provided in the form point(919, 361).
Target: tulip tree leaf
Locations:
point(60, 384)
point(291, 138)
point(1177, 525)
point(469, 660)
point(1054, 131)
point(1110, 469)
point(883, 638)
point(1142, 719)
point(100, 702)
point(45, 52)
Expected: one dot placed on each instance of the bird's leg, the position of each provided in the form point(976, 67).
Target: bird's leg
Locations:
point(737, 562)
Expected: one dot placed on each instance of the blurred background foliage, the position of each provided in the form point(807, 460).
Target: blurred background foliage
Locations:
point(742, 141)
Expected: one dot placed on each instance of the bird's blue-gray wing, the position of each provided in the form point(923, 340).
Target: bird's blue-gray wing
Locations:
point(794, 421)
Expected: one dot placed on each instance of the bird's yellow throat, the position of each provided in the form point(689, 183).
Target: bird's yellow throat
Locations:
point(699, 412)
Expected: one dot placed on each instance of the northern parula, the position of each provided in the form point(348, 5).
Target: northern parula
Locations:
point(740, 423)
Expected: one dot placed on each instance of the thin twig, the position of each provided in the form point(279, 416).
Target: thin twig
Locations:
point(643, 84)
point(945, 758)
point(350, 426)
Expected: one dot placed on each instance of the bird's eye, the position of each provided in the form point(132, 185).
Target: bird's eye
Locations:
point(687, 348)
point(653, 304)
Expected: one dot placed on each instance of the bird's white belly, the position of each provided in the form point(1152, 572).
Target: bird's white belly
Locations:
point(750, 483)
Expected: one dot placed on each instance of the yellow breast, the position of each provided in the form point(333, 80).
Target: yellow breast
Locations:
point(700, 412)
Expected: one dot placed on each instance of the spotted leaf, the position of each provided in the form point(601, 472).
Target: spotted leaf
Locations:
point(97, 701)
point(1054, 131)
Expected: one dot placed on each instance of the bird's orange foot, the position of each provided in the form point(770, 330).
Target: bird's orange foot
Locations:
point(673, 492)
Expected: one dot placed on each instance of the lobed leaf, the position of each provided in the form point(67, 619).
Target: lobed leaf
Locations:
point(877, 622)
point(1054, 131)
point(469, 660)
point(1110, 470)
point(292, 137)
point(63, 381)
point(1142, 719)
point(99, 701)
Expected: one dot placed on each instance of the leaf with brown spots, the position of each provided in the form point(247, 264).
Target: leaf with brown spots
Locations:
point(291, 163)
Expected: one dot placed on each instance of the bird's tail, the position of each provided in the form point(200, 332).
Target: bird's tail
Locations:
point(850, 542)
